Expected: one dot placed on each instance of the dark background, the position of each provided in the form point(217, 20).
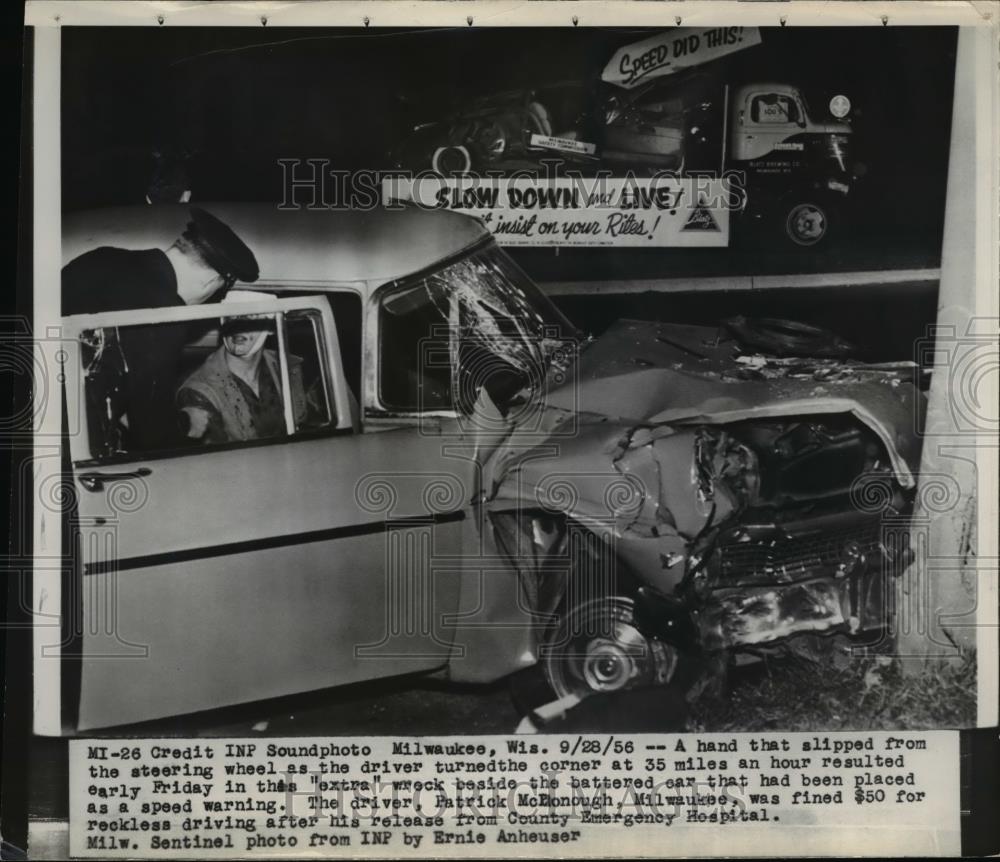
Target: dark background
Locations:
point(241, 99)
point(15, 444)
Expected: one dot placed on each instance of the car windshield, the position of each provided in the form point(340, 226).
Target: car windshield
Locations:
point(477, 322)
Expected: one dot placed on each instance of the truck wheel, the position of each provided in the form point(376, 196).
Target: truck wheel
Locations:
point(808, 222)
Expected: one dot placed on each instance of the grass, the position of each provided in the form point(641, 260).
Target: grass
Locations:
point(870, 693)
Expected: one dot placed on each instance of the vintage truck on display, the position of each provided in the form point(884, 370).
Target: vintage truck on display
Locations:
point(482, 489)
point(794, 164)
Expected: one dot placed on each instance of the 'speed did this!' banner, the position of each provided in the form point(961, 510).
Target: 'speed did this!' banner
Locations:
point(674, 50)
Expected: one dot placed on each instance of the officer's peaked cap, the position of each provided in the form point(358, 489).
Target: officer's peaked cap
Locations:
point(222, 249)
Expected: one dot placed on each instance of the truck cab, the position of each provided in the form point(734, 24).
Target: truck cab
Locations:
point(796, 166)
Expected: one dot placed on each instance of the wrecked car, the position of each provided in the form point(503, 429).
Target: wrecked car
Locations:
point(508, 130)
point(479, 489)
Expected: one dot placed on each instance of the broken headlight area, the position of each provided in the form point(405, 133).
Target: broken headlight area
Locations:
point(811, 459)
point(714, 476)
point(786, 464)
point(726, 476)
point(798, 555)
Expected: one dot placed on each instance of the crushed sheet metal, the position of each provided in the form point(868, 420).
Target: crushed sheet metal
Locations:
point(764, 614)
point(668, 391)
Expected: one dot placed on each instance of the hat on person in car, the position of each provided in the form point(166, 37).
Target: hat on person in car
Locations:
point(222, 249)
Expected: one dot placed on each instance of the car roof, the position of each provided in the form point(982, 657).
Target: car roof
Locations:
point(292, 245)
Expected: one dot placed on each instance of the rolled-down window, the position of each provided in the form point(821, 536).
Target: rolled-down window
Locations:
point(152, 388)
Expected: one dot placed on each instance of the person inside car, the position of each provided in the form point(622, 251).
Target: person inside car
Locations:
point(207, 258)
point(236, 394)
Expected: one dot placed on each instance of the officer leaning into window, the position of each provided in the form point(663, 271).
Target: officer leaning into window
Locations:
point(206, 259)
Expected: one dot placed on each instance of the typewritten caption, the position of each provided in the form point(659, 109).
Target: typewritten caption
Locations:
point(503, 796)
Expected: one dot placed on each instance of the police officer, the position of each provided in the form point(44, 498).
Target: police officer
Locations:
point(206, 259)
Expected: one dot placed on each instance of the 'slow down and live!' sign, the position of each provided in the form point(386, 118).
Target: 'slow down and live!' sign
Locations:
point(580, 211)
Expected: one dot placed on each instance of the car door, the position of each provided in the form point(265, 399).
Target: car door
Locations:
point(215, 571)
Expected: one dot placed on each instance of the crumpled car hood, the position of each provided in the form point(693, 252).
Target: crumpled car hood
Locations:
point(647, 373)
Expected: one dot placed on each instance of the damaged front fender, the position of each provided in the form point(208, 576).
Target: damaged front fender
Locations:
point(729, 503)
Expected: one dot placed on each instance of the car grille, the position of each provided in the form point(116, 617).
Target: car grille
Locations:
point(783, 560)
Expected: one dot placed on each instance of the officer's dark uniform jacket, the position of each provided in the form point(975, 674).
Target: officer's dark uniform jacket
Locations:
point(114, 279)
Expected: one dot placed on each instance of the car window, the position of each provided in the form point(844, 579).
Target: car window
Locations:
point(414, 350)
point(659, 101)
point(767, 108)
point(475, 322)
point(346, 307)
point(187, 385)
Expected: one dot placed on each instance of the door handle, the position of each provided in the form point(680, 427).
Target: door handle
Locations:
point(97, 481)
